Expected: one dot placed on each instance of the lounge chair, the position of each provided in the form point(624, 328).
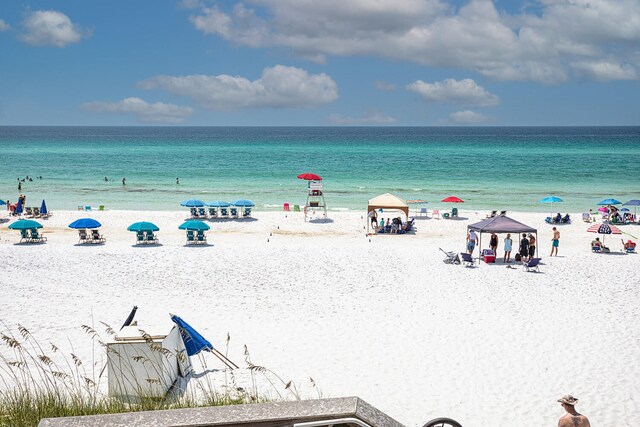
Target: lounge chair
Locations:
point(492, 214)
point(202, 239)
point(202, 213)
point(445, 215)
point(190, 237)
point(549, 220)
point(213, 212)
point(194, 212)
point(454, 213)
point(246, 213)
point(423, 211)
point(101, 207)
point(28, 212)
point(83, 238)
point(586, 217)
point(435, 213)
point(451, 257)
point(140, 238)
point(596, 248)
point(87, 208)
point(286, 207)
point(150, 238)
point(566, 219)
point(224, 212)
point(532, 265)
point(96, 237)
point(234, 212)
point(629, 246)
point(36, 237)
point(24, 236)
point(36, 213)
point(466, 259)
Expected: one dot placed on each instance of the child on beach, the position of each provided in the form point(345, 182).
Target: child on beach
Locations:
point(507, 248)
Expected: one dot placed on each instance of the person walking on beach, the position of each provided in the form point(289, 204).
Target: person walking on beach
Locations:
point(555, 242)
point(532, 246)
point(524, 248)
point(508, 243)
point(472, 238)
point(572, 418)
point(493, 243)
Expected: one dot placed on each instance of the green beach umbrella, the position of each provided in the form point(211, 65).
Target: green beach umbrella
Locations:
point(143, 226)
point(194, 226)
point(25, 224)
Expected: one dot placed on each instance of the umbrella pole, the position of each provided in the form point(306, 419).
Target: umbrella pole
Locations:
point(223, 359)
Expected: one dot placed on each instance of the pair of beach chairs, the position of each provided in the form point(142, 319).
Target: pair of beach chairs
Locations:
point(31, 236)
point(146, 238)
point(91, 237)
point(198, 213)
point(453, 214)
point(494, 214)
point(458, 258)
point(196, 238)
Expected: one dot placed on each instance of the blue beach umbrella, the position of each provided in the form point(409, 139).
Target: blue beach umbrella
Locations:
point(143, 226)
point(552, 200)
point(634, 203)
point(43, 208)
point(83, 223)
point(194, 226)
point(25, 224)
point(219, 204)
point(244, 203)
point(2, 202)
point(606, 202)
point(192, 203)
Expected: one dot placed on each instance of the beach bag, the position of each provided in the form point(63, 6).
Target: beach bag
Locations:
point(518, 257)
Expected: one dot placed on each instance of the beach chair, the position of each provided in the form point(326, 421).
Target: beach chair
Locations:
point(80, 208)
point(296, 208)
point(83, 238)
point(36, 237)
point(629, 246)
point(140, 238)
point(586, 217)
point(549, 220)
point(246, 213)
point(450, 257)
point(224, 212)
point(96, 237)
point(423, 211)
point(202, 213)
point(286, 207)
point(87, 208)
point(28, 212)
point(492, 214)
point(466, 259)
point(202, 238)
point(101, 207)
point(435, 214)
point(194, 212)
point(566, 219)
point(597, 248)
point(24, 236)
point(503, 213)
point(445, 215)
point(190, 237)
point(150, 238)
point(454, 213)
point(36, 213)
point(532, 265)
point(213, 212)
point(234, 212)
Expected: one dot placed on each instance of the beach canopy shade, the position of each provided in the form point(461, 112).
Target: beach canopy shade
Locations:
point(388, 201)
point(194, 226)
point(25, 224)
point(85, 223)
point(193, 341)
point(310, 176)
point(43, 208)
point(610, 202)
point(192, 203)
point(143, 226)
point(452, 199)
point(501, 224)
point(551, 199)
point(244, 203)
point(219, 204)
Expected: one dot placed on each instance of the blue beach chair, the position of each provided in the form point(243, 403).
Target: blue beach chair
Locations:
point(201, 237)
point(190, 237)
point(532, 265)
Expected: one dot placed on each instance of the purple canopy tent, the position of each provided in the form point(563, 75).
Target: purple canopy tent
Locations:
point(501, 224)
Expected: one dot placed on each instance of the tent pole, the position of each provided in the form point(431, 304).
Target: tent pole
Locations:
point(223, 359)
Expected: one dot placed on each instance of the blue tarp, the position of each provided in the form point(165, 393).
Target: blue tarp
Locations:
point(193, 341)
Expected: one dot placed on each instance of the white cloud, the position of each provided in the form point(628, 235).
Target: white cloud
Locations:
point(4, 26)
point(463, 92)
point(52, 28)
point(372, 117)
point(157, 112)
point(466, 117)
point(279, 86)
point(524, 46)
point(384, 86)
point(605, 71)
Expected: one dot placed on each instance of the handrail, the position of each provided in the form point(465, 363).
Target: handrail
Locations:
point(332, 422)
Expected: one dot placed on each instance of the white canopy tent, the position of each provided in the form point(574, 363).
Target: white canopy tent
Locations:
point(387, 201)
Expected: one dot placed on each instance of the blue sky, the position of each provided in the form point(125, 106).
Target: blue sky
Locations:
point(322, 62)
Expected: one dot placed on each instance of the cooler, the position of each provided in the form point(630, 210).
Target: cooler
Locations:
point(489, 256)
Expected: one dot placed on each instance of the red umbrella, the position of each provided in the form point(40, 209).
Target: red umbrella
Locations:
point(452, 199)
point(310, 176)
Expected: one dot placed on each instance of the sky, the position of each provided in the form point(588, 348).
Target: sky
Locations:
point(320, 62)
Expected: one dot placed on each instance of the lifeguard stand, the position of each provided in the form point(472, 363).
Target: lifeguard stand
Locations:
point(315, 199)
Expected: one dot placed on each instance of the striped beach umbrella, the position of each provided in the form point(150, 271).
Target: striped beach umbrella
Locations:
point(604, 229)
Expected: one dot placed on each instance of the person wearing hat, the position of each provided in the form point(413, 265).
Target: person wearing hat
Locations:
point(571, 418)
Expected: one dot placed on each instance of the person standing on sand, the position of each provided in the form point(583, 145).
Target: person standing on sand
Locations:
point(524, 248)
point(472, 238)
point(124, 181)
point(508, 243)
point(571, 418)
point(555, 242)
point(532, 246)
point(493, 243)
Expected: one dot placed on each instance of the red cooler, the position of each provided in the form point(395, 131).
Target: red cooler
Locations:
point(489, 256)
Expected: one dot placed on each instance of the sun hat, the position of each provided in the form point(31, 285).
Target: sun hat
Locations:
point(568, 399)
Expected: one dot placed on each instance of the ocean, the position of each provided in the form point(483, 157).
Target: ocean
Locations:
point(492, 168)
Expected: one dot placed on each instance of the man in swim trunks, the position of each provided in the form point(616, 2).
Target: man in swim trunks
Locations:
point(555, 242)
point(571, 418)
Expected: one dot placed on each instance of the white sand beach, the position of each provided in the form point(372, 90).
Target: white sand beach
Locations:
point(380, 317)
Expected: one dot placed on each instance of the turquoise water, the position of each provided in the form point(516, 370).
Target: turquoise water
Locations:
point(489, 167)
